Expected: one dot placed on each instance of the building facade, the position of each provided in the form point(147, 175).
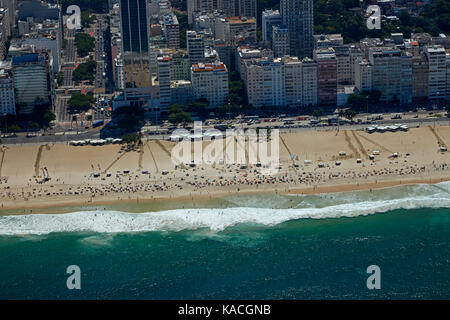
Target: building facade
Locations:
point(195, 47)
point(386, 72)
point(280, 41)
point(135, 51)
point(326, 76)
point(7, 98)
point(210, 81)
point(269, 19)
point(437, 72)
point(298, 17)
point(31, 80)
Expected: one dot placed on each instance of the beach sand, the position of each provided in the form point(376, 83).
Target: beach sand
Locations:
point(23, 169)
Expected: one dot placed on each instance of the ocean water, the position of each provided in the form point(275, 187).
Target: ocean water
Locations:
point(240, 247)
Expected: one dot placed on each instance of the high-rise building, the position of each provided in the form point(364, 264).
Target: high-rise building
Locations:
point(406, 78)
point(163, 75)
point(180, 67)
point(181, 91)
point(326, 76)
point(363, 75)
point(32, 80)
point(264, 82)
point(5, 31)
point(210, 81)
point(298, 17)
point(195, 47)
point(207, 6)
point(386, 72)
point(324, 41)
point(269, 19)
point(285, 81)
point(309, 82)
point(224, 52)
point(343, 65)
point(234, 30)
point(228, 7)
point(419, 76)
point(11, 5)
point(247, 8)
point(240, 8)
point(447, 59)
point(171, 30)
point(7, 99)
point(280, 41)
point(135, 50)
point(245, 53)
point(437, 72)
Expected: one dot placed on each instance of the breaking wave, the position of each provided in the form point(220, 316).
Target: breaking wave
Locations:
point(333, 205)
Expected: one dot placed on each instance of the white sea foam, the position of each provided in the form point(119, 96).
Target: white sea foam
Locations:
point(334, 205)
point(436, 196)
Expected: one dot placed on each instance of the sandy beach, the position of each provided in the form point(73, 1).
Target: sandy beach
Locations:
point(38, 176)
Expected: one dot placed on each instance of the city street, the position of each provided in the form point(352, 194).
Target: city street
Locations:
point(99, 55)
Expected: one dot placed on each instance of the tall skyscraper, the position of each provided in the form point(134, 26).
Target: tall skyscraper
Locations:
point(136, 57)
point(298, 17)
point(195, 47)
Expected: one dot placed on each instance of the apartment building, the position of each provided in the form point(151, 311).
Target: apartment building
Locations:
point(180, 68)
point(285, 81)
point(298, 17)
point(326, 76)
point(406, 78)
point(363, 75)
point(195, 47)
point(171, 30)
point(447, 62)
point(437, 72)
point(234, 30)
point(344, 66)
point(280, 41)
point(181, 91)
point(32, 80)
point(269, 19)
point(7, 98)
point(419, 90)
point(386, 72)
point(163, 77)
point(210, 81)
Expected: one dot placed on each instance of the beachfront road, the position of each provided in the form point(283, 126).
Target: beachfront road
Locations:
point(66, 136)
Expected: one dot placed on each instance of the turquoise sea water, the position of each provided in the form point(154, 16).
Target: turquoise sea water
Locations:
point(248, 247)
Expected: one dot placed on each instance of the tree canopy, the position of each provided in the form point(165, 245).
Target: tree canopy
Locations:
point(177, 114)
point(85, 44)
point(85, 71)
point(80, 102)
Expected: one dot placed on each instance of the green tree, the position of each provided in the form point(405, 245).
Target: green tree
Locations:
point(80, 102)
point(85, 44)
point(13, 128)
point(177, 115)
point(199, 107)
point(349, 114)
point(85, 71)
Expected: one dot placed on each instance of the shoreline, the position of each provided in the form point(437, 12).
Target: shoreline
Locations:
point(62, 206)
point(64, 178)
